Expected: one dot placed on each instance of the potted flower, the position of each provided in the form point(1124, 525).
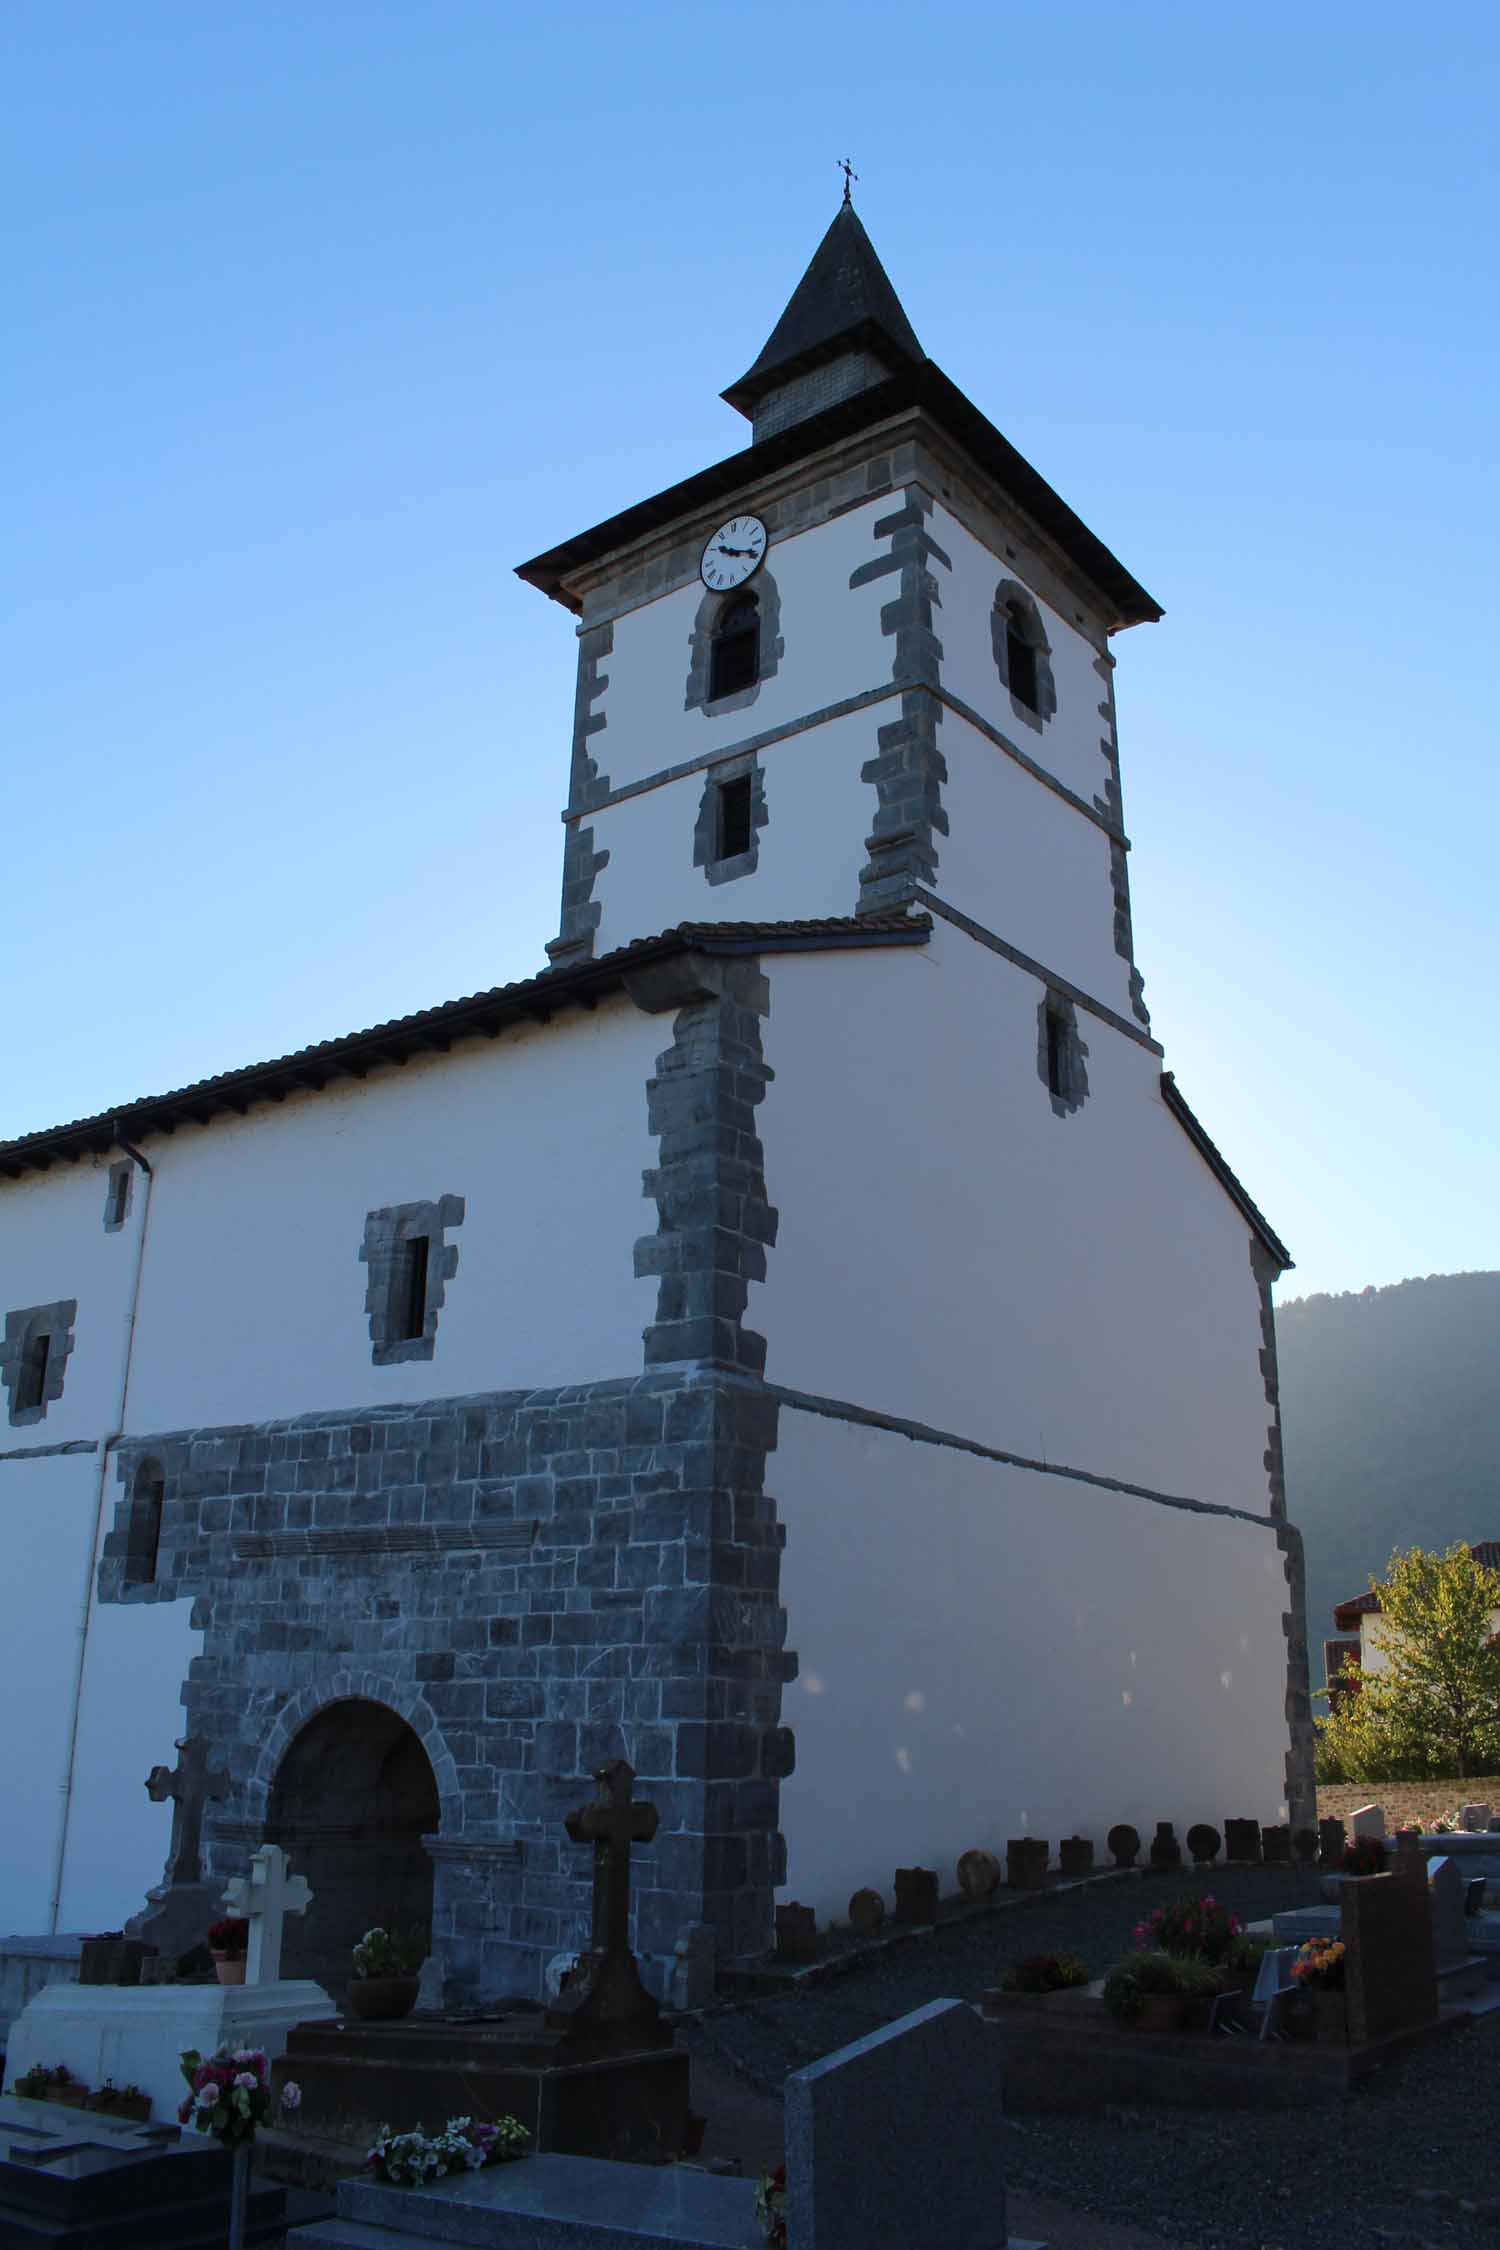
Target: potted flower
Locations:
point(1194, 1926)
point(229, 2095)
point(770, 2207)
point(384, 1984)
point(52, 2083)
point(1364, 1855)
point(229, 1943)
point(1319, 1971)
point(121, 2101)
point(466, 2144)
point(1031, 1983)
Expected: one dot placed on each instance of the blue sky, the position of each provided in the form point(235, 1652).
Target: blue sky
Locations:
point(321, 317)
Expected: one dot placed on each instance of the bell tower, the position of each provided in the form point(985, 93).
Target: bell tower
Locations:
point(860, 664)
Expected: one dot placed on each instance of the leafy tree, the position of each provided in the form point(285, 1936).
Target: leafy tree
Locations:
point(1435, 1708)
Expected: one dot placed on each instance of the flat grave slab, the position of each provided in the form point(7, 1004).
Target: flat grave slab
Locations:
point(545, 2203)
point(75, 2181)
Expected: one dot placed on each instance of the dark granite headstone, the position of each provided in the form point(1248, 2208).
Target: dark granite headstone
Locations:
point(916, 1894)
point(1205, 1843)
point(1331, 1838)
point(796, 1932)
point(1242, 1841)
point(866, 1911)
point(1165, 1849)
point(1390, 1983)
point(1026, 1860)
point(1276, 1847)
point(1124, 1843)
point(1304, 1846)
point(1075, 1856)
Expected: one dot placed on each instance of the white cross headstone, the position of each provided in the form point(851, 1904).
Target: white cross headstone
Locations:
point(265, 1897)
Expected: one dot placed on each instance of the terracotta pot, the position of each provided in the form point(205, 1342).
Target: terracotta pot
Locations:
point(382, 1999)
point(1330, 2018)
point(1160, 2011)
point(229, 1968)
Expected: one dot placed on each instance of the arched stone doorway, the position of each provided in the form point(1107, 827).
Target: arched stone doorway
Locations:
point(352, 1799)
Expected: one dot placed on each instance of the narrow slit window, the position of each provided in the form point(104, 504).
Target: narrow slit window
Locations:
point(734, 655)
point(1057, 1055)
point(117, 1196)
point(734, 817)
point(31, 1391)
point(412, 1309)
point(1020, 662)
point(143, 1532)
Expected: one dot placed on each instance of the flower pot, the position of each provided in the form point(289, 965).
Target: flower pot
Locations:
point(71, 2097)
point(382, 1999)
point(229, 1968)
point(1160, 2011)
point(1330, 2019)
point(136, 2107)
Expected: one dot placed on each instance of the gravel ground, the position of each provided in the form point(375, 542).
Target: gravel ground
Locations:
point(1389, 2167)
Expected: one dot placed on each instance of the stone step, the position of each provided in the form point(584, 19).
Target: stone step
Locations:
point(349, 2234)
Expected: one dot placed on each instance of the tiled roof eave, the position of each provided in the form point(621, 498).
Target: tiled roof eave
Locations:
point(434, 1030)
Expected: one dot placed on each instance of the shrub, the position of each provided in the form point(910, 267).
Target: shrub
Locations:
point(380, 1954)
point(1363, 1855)
point(1193, 1926)
point(231, 1937)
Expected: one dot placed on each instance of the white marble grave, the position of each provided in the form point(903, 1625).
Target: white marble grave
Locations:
point(134, 2035)
point(1369, 1820)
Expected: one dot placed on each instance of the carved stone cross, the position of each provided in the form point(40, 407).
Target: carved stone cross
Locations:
point(190, 1787)
point(266, 1896)
point(607, 1996)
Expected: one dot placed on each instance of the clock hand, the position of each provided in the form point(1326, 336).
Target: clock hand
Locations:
point(736, 550)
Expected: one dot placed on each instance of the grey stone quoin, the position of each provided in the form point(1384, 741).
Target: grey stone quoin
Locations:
point(536, 1582)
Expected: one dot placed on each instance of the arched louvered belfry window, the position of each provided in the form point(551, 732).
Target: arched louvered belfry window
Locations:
point(734, 653)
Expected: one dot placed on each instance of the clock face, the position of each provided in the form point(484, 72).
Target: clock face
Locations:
point(736, 549)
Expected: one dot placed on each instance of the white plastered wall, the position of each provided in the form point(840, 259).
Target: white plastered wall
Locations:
point(834, 649)
point(1049, 1660)
point(1025, 864)
point(808, 855)
point(252, 1301)
point(1073, 1288)
point(1069, 744)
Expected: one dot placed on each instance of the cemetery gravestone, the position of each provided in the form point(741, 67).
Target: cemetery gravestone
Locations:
point(1460, 1970)
point(916, 1894)
point(605, 1997)
point(1475, 1819)
point(73, 2178)
point(1390, 1984)
point(895, 2140)
point(796, 1932)
point(1304, 1846)
point(1026, 1860)
point(1276, 1847)
point(265, 1897)
point(1075, 1856)
point(1242, 1841)
point(1165, 1849)
point(1369, 1820)
point(866, 1912)
point(1124, 1843)
point(180, 1908)
point(1330, 1843)
point(978, 1873)
point(1204, 1843)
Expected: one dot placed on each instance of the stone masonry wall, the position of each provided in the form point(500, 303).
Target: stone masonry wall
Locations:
point(536, 1582)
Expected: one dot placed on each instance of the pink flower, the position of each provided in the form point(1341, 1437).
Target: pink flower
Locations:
point(291, 2095)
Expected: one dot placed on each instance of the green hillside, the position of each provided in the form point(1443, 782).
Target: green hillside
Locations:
point(1390, 1404)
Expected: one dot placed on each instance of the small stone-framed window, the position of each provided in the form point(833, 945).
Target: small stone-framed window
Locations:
point(148, 1492)
point(1023, 655)
point(735, 644)
point(731, 814)
point(34, 1357)
point(1061, 1055)
point(410, 1266)
point(117, 1196)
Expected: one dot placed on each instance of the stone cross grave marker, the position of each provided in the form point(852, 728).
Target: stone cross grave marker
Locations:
point(606, 1995)
point(265, 1897)
point(190, 1787)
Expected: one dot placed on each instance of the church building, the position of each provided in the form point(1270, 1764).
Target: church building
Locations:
point(801, 1341)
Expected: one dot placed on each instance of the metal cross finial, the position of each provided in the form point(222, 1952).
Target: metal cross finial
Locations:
point(850, 176)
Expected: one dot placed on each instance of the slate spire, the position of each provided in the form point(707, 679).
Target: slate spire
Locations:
point(843, 309)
